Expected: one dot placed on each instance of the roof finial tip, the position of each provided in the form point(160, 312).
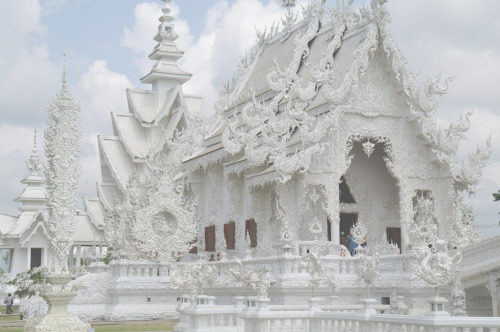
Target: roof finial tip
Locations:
point(64, 83)
point(35, 148)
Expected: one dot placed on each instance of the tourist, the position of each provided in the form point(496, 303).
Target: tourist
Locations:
point(8, 301)
point(343, 239)
point(351, 245)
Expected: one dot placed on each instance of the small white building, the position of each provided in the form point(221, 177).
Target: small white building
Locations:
point(23, 238)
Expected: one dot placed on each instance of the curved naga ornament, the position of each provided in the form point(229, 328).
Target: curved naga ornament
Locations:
point(154, 221)
point(271, 124)
point(62, 149)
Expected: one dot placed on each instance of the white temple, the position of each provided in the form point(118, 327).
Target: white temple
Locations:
point(323, 142)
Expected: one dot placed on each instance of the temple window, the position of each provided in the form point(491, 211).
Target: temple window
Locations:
point(251, 230)
point(347, 221)
point(210, 238)
point(345, 195)
point(36, 257)
point(229, 232)
point(394, 236)
point(194, 249)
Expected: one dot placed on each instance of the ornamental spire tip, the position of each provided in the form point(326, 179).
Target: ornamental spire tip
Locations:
point(64, 83)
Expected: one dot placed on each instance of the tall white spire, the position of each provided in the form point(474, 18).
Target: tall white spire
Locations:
point(166, 73)
point(62, 149)
point(34, 195)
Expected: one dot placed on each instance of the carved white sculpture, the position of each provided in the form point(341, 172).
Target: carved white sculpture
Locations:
point(154, 221)
point(319, 273)
point(62, 149)
point(458, 303)
point(259, 278)
point(367, 266)
point(192, 277)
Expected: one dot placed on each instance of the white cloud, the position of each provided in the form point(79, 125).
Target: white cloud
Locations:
point(101, 91)
point(29, 79)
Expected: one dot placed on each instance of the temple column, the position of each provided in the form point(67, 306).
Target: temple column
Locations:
point(78, 255)
point(405, 208)
point(405, 240)
point(28, 263)
point(71, 257)
point(491, 285)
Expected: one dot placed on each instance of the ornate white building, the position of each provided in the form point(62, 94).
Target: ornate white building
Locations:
point(323, 128)
point(323, 137)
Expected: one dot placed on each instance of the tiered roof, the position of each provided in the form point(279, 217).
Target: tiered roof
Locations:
point(152, 119)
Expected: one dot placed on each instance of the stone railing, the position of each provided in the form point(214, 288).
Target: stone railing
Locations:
point(280, 265)
point(319, 321)
point(255, 315)
point(201, 314)
point(131, 269)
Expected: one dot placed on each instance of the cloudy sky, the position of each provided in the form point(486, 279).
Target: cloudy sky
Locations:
point(107, 43)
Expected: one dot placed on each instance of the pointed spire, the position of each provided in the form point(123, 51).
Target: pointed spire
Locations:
point(166, 70)
point(33, 196)
point(64, 83)
point(34, 164)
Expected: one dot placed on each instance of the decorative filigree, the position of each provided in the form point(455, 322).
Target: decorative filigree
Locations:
point(62, 149)
point(359, 233)
point(458, 303)
point(367, 266)
point(465, 227)
point(395, 305)
point(154, 221)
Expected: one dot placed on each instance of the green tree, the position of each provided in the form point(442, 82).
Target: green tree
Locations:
point(28, 282)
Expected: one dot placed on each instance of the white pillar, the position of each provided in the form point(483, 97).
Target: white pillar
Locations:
point(78, 255)
point(492, 288)
point(29, 259)
point(71, 257)
point(45, 256)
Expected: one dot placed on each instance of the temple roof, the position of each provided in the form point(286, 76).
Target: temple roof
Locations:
point(143, 104)
point(85, 230)
point(117, 158)
point(133, 135)
point(95, 209)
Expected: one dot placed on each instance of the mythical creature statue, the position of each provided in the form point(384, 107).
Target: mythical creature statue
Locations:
point(319, 272)
point(192, 277)
point(259, 278)
point(436, 263)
